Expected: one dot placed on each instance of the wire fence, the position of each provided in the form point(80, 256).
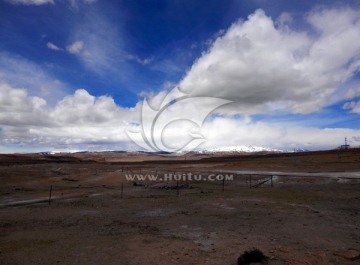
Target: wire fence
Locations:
point(140, 182)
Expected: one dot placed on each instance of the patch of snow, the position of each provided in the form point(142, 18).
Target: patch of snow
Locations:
point(240, 149)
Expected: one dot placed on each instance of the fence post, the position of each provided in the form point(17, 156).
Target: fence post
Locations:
point(122, 190)
point(50, 194)
point(177, 188)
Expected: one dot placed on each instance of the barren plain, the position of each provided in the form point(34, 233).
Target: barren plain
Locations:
point(299, 208)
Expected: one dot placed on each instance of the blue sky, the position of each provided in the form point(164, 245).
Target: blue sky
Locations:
point(58, 55)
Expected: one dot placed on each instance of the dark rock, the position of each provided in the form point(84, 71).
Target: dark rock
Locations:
point(252, 256)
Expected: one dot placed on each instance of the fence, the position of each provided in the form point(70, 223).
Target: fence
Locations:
point(140, 182)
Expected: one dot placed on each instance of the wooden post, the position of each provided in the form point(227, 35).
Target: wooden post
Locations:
point(177, 188)
point(272, 185)
point(250, 181)
point(50, 194)
point(122, 191)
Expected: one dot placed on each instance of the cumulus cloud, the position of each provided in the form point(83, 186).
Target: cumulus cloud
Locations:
point(265, 66)
point(83, 108)
point(52, 46)
point(76, 47)
point(226, 131)
point(31, 2)
point(85, 122)
point(260, 63)
point(77, 119)
point(19, 109)
point(268, 68)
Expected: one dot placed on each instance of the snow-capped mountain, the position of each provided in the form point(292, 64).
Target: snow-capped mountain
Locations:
point(240, 149)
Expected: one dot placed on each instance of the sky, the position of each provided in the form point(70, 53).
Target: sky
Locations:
point(178, 74)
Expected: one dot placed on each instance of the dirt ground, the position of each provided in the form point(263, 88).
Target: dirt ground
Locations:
point(97, 216)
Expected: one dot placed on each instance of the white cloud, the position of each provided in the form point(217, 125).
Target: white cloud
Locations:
point(284, 20)
point(72, 3)
point(77, 119)
point(353, 106)
point(268, 68)
point(22, 73)
point(167, 66)
point(75, 3)
point(31, 2)
point(134, 58)
point(223, 132)
point(86, 122)
point(52, 46)
point(83, 108)
point(102, 52)
point(18, 108)
point(352, 92)
point(76, 47)
point(261, 66)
